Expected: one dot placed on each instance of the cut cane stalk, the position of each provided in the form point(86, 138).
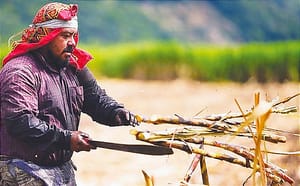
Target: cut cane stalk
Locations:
point(273, 172)
point(251, 124)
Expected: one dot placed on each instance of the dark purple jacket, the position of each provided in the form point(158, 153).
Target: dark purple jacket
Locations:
point(40, 105)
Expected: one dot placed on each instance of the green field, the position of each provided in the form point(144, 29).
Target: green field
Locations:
point(261, 62)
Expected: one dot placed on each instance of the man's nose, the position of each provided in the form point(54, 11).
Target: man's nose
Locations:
point(71, 45)
point(71, 42)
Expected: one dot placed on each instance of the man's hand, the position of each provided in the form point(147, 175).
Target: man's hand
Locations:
point(124, 117)
point(79, 141)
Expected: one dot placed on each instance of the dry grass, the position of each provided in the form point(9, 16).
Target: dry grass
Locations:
point(112, 168)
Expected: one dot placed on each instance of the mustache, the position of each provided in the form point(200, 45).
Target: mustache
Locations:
point(69, 49)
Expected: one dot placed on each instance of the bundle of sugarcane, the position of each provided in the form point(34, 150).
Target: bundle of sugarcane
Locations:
point(250, 124)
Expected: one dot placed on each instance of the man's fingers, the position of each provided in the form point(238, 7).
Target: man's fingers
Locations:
point(84, 135)
point(86, 139)
point(133, 120)
point(80, 141)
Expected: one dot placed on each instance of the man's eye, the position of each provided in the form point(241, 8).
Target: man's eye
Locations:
point(66, 35)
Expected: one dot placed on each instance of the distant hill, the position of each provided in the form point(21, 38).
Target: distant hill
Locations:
point(266, 20)
point(182, 20)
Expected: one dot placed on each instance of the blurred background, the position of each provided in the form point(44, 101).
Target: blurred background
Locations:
point(200, 40)
point(219, 22)
point(180, 56)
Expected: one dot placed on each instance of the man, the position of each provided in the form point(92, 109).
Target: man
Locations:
point(44, 86)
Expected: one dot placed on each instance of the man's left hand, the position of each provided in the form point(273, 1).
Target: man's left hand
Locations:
point(124, 117)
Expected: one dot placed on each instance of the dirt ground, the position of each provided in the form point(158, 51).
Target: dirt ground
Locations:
point(185, 98)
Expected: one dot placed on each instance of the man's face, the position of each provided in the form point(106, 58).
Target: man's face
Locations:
point(61, 48)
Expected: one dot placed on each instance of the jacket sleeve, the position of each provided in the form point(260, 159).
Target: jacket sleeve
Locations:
point(19, 110)
point(97, 104)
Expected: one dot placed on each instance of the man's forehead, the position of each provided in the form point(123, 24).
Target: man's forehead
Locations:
point(69, 30)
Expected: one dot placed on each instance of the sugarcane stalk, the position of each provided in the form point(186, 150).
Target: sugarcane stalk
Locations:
point(217, 117)
point(213, 128)
point(226, 116)
point(192, 168)
point(148, 179)
point(244, 152)
point(287, 99)
point(266, 137)
point(204, 172)
point(240, 150)
point(259, 112)
point(236, 132)
point(178, 120)
point(281, 131)
point(198, 159)
point(295, 153)
point(225, 124)
point(286, 110)
point(220, 156)
point(187, 133)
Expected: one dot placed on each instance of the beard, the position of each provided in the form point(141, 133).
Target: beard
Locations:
point(58, 62)
point(55, 60)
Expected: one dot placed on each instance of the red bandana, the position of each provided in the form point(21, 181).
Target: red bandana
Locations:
point(35, 37)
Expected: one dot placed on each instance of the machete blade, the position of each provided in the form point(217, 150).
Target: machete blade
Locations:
point(134, 148)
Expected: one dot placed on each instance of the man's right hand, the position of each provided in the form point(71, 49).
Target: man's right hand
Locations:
point(79, 141)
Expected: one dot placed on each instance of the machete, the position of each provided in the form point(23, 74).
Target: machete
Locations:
point(134, 148)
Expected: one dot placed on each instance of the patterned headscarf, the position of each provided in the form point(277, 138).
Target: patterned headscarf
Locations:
point(46, 25)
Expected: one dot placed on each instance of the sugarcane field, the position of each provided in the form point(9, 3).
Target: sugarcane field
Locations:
point(220, 133)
